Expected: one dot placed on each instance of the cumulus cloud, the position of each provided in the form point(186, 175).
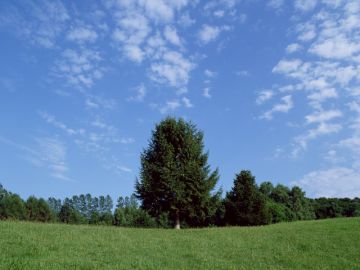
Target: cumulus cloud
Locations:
point(172, 69)
point(264, 96)
point(208, 33)
point(305, 5)
point(169, 106)
point(276, 4)
point(338, 47)
point(79, 68)
point(210, 74)
point(82, 34)
point(40, 22)
point(206, 92)
point(140, 94)
point(292, 48)
point(286, 105)
point(322, 129)
point(187, 102)
point(171, 35)
point(337, 182)
point(323, 116)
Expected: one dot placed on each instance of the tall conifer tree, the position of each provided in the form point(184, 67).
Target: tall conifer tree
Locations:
point(175, 177)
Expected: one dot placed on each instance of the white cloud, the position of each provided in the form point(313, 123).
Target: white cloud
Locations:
point(206, 92)
point(307, 31)
point(334, 182)
point(338, 47)
point(334, 157)
point(97, 102)
point(187, 102)
point(173, 69)
point(51, 120)
point(140, 94)
point(169, 106)
point(124, 169)
point(171, 35)
point(82, 34)
point(40, 23)
point(305, 5)
point(185, 20)
point(264, 96)
point(79, 68)
point(210, 74)
point(242, 73)
point(287, 66)
point(127, 140)
point(323, 116)
point(322, 129)
point(286, 105)
point(276, 4)
point(292, 48)
point(219, 13)
point(53, 156)
point(208, 33)
point(134, 53)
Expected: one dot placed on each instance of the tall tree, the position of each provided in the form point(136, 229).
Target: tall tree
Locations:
point(175, 177)
point(245, 205)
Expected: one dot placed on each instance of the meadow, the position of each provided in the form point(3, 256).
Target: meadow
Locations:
point(321, 244)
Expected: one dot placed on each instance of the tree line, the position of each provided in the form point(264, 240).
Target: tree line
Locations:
point(176, 188)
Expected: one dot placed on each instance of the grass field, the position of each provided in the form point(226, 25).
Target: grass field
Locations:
point(325, 244)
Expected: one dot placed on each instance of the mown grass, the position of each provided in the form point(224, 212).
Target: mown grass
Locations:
point(325, 244)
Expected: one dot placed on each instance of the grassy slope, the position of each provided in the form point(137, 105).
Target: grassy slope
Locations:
point(326, 244)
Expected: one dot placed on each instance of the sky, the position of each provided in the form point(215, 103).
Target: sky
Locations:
point(274, 85)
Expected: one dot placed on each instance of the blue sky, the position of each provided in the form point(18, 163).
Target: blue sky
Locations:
point(273, 84)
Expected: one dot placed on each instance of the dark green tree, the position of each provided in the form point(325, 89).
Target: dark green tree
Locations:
point(245, 205)
point(38, 210)
point(175, 177)
point(12, 207)
point(3, 192)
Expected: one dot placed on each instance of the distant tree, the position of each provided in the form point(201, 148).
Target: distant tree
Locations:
point(102, 207)
point(54, 204)
point(327, 208)
point(300, 205)
point(38, 210)
point(69, 215)
point(95, 218)
point(175, 177)
point(266, 188)
point(12, 207)
point(106, 219)
point(245, 205)
point(3, 192)
point(95, 207)
point(128, 214)
point(108, 204)
point(120, 202)
point(281, 194)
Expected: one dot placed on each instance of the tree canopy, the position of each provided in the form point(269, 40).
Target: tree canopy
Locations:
point(175, 177)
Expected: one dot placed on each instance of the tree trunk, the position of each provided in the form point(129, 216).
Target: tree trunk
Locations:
point(177, 220)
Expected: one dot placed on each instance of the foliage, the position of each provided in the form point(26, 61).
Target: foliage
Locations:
point(245, 205)
point(12, 207)
point(175, 177)
point(128, 214)
point(37, 210)
point(69, 215)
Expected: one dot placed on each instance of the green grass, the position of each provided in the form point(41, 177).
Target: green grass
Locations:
point(325, 244)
